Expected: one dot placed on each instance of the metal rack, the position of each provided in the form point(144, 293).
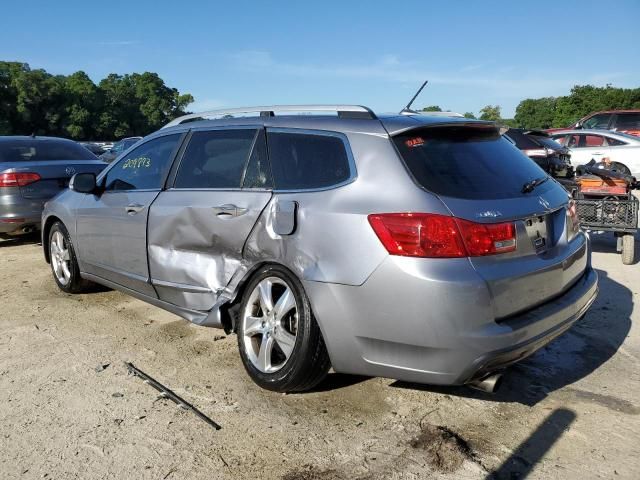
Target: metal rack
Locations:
point(343, 111)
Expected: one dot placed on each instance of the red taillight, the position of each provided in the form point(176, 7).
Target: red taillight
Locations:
point(441, 236)
point(487, 238)
point(19, 179)
point(573, 221)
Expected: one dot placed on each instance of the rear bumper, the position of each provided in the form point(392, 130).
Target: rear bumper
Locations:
point(17, 213)
point(16, 225)
point(562, 312)
point(433, 322)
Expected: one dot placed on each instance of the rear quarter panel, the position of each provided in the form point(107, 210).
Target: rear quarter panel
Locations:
point(333, 240)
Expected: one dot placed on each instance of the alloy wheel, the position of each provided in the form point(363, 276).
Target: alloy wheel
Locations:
point(270, 324)
point(60, 258)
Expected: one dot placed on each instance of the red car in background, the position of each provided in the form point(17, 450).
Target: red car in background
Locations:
point(625, 121)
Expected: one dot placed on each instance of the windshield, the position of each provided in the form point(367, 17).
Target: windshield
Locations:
point(36, 150)
point(467, 162)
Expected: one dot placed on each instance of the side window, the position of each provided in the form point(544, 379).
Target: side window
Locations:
point(574, 141)
point(597, 121)
point(612, 142)
point(628, 121)
point(145, 167)
point(258, 174)
point(561, 139)
point(215, 159)
point(301, 161)
point(593, 141)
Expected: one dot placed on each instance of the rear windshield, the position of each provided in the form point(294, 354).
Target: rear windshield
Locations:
point(522, 141)
point(549, 143)
point(467, 162)
point(26, 150)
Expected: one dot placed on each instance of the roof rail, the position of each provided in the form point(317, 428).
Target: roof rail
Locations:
point(431, 114)
point(343, 111)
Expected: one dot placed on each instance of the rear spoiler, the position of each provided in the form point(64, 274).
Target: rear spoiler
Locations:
point(484, 124)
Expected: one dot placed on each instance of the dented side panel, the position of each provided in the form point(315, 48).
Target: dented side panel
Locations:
point(195, 242)
point(332, 240)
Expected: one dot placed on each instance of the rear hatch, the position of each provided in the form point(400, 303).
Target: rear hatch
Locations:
point(483, 178)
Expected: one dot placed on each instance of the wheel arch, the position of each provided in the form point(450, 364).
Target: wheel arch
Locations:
point(229, 311)
point(46, 228)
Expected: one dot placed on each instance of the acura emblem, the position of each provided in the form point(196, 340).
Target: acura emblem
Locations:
point(70, 171)
point(489, 214)
point(544, 203)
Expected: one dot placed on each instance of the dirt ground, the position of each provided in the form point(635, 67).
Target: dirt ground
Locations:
point(68, 408)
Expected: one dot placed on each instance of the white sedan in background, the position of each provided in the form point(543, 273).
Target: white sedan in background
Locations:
point(598, 144)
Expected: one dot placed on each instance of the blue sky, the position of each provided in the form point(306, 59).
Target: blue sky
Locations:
point(239, 53)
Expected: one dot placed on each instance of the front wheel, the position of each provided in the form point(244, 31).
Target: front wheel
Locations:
point(280, 342)
point(628, 249)
point(64, 264)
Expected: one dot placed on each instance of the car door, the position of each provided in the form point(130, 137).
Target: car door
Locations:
point(198, 226)
point(587, 146)
point(111, 226)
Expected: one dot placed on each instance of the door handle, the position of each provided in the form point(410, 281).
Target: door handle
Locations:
point(133, 208)
point(229, 210)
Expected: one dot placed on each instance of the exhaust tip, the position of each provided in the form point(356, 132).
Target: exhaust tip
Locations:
point(488, 384)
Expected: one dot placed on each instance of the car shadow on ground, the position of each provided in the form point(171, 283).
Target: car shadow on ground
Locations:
point(336, 381)
point(606, 242)
point(524, 458)
point(574, 355)
point(28, 239)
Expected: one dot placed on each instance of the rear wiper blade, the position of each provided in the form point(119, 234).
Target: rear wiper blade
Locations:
point(530, 186)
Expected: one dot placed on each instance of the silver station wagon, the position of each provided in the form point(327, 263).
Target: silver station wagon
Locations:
point(425, 249)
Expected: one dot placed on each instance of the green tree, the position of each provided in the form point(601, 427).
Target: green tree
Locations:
point(432, 108)
point(39, 102)
point(83, 102)
point(536, 113)
point(491, 113)
point(8, 95)
point(469, 115)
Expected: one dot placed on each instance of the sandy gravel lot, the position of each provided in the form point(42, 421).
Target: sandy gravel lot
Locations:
point(69, 410)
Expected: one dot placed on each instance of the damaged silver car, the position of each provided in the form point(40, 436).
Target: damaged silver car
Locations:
point(426, 249)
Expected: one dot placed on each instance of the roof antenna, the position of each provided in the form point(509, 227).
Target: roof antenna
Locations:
point(407, 110)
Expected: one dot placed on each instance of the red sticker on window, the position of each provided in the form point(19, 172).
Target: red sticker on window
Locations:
point(414, 142)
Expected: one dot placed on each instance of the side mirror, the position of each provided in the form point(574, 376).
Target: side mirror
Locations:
point(83, 183)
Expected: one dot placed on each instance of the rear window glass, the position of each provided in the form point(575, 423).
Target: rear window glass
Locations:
point(549, 143)
point(42, 150)
point(522, 141)
point(463, 162)
point(307, 161)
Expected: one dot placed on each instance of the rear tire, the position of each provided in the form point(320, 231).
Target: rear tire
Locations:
point(280, 342)
point(628, 249)
point(64, 264)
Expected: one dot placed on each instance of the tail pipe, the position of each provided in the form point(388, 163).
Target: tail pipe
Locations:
point(488, 384)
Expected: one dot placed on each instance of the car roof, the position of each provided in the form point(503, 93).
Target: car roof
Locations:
point(391, 124)
point(593, 131)
point(33, 138)
point(630, 110)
